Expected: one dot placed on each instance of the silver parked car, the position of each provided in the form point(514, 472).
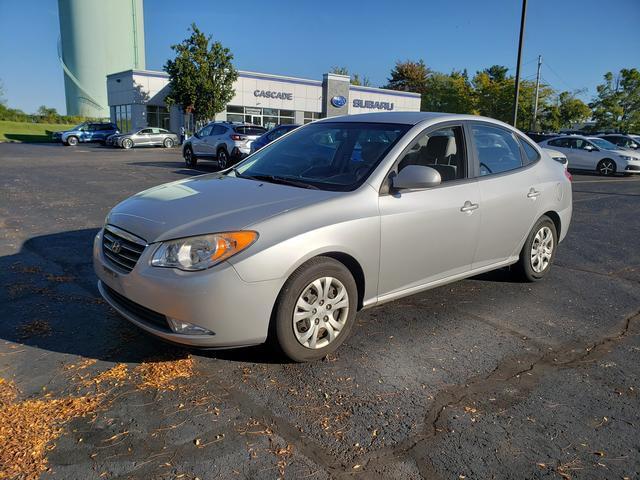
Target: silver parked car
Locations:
point(224, 142)
point(339, 215)
point(595, 154)
point(145, 137)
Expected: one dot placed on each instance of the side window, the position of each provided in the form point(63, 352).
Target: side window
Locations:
point(497, 149)
point(442, 150)
point(145, 131)
point(559, 142)
point(277, 133)
point(218, 130)
point(205, 131)
point(531, 155)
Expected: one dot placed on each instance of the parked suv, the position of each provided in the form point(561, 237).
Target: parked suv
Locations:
point(224, 142)
point(86, 132)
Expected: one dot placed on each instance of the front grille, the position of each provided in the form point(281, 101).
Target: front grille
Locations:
point(143, 313)
point(121, 248)
point(635, 168)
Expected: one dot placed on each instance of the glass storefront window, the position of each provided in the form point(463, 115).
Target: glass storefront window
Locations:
point(234, 109)
point(231, 117)
point(122, 116)
point(311, 116)
point(267, 117)
point(158, 116)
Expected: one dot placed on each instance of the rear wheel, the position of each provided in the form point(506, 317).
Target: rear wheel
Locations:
point(315, 310)
point(539, 251)
point(72, 141)
point(190, 159)
point(223, 158)
point(606, 167)
point(168, 143)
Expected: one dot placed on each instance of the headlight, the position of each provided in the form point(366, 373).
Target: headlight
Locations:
point(202, 252)
point(627, 158)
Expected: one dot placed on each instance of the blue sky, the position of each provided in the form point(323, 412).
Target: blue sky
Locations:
point(580, 40)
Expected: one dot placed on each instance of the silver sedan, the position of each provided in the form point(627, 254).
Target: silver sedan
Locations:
point(339, 215)
point(145, 137)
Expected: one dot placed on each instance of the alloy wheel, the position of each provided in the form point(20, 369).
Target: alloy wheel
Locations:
point(607, 167)
point(222, 159)
point(321, 312)
point(542, 249)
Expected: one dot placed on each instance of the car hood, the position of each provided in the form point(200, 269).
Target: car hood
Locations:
point(207, 204)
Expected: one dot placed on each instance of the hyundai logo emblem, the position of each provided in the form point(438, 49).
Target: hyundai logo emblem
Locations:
point(116, 246)
point(338, 101)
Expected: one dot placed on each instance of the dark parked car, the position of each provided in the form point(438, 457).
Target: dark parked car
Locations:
point(271, 135)
point(622, 140)
point(86, 132)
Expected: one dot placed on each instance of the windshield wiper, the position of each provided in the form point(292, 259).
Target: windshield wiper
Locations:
point(280, 180)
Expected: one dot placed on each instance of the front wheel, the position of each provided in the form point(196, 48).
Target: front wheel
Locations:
point(315, 310)
point(539, 251)
point(223, 159)
point(606, 167)
point(127, 143)
point(190, 159)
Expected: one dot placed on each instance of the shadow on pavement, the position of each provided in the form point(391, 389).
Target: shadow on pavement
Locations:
point(51, 302)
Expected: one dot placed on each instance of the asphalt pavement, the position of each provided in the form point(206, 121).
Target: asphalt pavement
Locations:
point(484, 378)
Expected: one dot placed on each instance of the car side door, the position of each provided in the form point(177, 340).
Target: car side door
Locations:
point(429, 235)
point(199, 143)
point(509, 188)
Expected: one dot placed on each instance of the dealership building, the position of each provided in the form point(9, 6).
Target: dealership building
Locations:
point(136, 100)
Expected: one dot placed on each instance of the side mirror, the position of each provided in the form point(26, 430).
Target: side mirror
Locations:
point(413, 177)
point(590, 148)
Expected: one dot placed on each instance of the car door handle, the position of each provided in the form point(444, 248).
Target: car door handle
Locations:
point(533, 193)
point(469, 207)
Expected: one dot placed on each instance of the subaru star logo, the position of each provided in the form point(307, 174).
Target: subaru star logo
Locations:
point(338, 101)
point(116, 246)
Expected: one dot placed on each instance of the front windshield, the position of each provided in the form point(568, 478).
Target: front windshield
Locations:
point(325, 155)
point(602, 143)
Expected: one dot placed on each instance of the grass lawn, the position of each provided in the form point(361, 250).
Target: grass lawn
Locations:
point(28, 132)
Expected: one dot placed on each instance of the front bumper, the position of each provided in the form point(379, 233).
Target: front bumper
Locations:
point(237, 312)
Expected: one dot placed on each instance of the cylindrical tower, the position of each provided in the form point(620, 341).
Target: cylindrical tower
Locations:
point(97, 38)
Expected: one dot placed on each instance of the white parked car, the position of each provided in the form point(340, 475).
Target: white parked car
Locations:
point(593, 153)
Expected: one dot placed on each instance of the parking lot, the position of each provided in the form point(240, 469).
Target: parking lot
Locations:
point(485, 378)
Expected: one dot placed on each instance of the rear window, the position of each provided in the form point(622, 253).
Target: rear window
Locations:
point(250, 130)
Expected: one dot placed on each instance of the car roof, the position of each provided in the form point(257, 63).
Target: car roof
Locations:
point(408, 118)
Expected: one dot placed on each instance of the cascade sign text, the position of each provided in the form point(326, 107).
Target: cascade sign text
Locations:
point(270, 94)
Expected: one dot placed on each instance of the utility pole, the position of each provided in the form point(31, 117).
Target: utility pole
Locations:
point(535, 104)
point(522, 23)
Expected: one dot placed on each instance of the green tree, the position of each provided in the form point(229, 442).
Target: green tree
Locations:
point(409, 76)
point(2, 99)
point(48, 114)
point(493, 93)
point(201, 76)
point(450, 93)
point(617, 104)
point(354, 79)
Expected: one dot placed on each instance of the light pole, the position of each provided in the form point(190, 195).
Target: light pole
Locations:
point(522, 23)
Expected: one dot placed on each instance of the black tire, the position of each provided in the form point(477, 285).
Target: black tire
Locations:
point(168, 143)
point(222, 158)
point(72, 141)
point(606, 167)
point(190, 159)
point(525, 269)
point(296, 285)
point(127, 143)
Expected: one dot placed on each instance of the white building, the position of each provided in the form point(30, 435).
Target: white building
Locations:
point(136, 100)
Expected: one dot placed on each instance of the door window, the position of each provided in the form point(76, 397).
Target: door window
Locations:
point(497, 149)
point(146, 131)
point(205, 131)
point(559, 142)
point(442, 150)
point(531, 154)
